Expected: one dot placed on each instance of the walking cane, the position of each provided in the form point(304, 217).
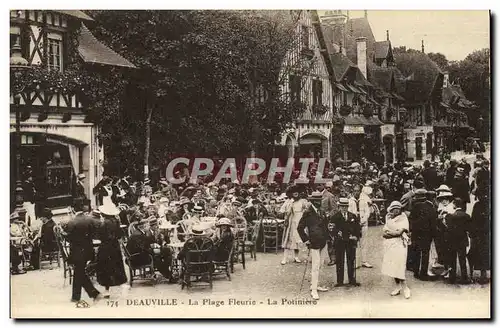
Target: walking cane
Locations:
point(305, 270)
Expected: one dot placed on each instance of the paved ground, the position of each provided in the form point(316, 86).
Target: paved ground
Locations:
point(42, 294)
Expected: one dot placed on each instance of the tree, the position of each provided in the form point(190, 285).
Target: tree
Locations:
point(439, 59)
point(473, 75)
point(198, 75)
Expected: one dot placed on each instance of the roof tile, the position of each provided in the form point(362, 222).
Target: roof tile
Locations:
point(93, 51)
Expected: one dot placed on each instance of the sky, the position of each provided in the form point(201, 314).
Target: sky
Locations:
point(452, 33)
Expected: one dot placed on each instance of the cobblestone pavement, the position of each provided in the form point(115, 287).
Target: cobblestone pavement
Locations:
point(42, 294)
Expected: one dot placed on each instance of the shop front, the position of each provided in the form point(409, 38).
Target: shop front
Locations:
point(55, 153)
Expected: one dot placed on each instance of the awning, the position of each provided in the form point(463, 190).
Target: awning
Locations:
point(353, 88)
point(402, 110)
point(354, 129)
point(341, 87)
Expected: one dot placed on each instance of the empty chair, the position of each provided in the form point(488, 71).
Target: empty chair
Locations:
point(270, 233)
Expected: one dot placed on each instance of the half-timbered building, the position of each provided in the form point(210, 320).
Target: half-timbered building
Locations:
point(311, 132)
point(58, 141)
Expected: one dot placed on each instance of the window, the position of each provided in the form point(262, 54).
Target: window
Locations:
point(54, 53)
point(305, 37)
point(295, 87)
point(15, 36)
point(419, 116)
point(317, 92)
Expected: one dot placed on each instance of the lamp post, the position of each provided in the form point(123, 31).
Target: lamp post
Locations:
point(17, 65)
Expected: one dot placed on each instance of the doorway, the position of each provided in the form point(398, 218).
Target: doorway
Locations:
point(418, 148)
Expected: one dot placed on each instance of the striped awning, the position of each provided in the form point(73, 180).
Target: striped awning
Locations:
point(353, 88)
point(341, 87)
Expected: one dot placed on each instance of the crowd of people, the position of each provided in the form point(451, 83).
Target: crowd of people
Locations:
point(423, 209)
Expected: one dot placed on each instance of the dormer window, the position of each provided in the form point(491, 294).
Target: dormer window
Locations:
point(54, 53)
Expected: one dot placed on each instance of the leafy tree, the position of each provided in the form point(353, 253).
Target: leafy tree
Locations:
point(198, 77)
point(439, 59)
point(473, 75)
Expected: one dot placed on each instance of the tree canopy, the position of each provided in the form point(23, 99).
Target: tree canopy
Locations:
point(200, 72)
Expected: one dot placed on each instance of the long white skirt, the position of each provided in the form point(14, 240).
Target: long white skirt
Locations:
point(394, 262)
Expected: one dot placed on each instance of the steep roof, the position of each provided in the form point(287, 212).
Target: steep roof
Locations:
point(381, 76)
point(453, 94)
point(382, 49)
point(75, 13)
point(357, 28)
point(93, 51)
point(425, 75)
point(341, 65)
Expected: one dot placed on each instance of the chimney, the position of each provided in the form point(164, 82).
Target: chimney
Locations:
point(446, 80)
point(387, 32)
point(423, 49)
point(361, 51)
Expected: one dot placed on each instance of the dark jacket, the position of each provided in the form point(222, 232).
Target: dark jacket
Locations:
point(80, 231)
point(460, 188)
point(430, 176)
point(317, 229)
point(423, 220)
point(343, 229)
point(458, 223)
point(48, 237)
point(140, 243)
point(479, 254)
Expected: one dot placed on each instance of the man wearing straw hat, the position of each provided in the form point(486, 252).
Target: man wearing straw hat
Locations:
point(347, 232)
point(315, 238)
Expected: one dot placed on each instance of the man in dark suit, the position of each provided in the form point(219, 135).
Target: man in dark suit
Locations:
point(347, 232)
point(430, 176)
point(80, 231)
point(423, 220)
point(460, 185)
point(315, 238)
point(147, 243)
point(46, 237)
point(328, 208)
point(458, 224)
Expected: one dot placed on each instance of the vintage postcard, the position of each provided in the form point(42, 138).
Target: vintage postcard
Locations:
point(250, 164)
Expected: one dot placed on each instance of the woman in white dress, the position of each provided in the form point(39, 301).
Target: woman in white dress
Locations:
point(396, 248)
point(293, 209)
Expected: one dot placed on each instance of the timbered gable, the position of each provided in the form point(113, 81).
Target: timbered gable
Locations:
point(309, 79)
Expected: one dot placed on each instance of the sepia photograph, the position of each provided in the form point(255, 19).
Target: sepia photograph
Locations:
point(185, 164)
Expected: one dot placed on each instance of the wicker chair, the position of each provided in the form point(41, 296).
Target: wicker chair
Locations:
point(139, 272)
point(197, 261)
point(270, 232)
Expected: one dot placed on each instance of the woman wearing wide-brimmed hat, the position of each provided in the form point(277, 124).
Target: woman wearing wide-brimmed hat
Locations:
point(223, 239)
point(293, 209)
point(110, 269)
point(396, 247)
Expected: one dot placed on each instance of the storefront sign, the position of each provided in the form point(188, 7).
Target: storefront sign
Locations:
point(354, 129)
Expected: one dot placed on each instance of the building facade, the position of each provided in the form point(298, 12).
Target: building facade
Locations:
point(310, 134)
point(58, 139)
